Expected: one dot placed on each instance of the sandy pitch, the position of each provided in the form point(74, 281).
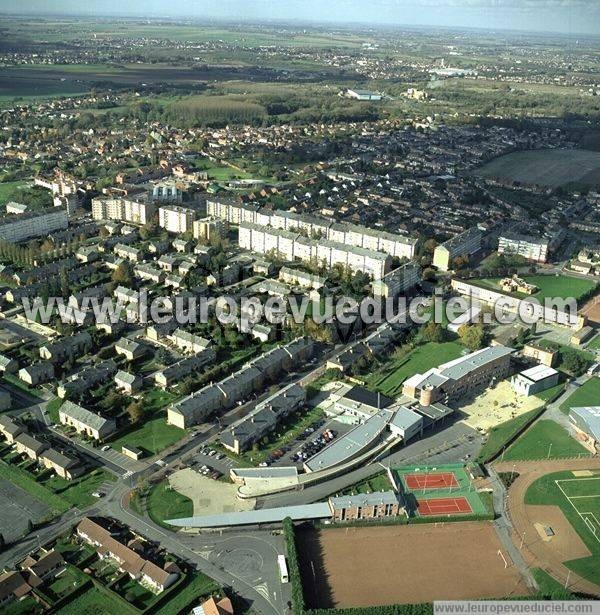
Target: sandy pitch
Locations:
point(210, 497)
point(357, 567)
point(483, 414)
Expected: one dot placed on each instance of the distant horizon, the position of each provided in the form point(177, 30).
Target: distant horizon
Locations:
point(567, 17)
point(296, 22)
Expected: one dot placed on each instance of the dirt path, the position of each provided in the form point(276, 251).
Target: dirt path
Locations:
point(537, 552)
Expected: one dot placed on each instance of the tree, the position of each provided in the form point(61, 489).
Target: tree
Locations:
point(123, 274)
point(472, 336)
point(573, 362)
point(135, 410)
point(433, 332)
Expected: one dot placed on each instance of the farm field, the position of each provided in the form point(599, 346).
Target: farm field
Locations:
point(561, 286)
point(451, 556)
point(389, 379)
point(545, 439)
point(579, 499)
point(552, 168)
point(587, 394)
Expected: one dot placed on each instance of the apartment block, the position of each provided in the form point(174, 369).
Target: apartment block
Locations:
point(176, 219)
point(16, 228)
point(464, 244)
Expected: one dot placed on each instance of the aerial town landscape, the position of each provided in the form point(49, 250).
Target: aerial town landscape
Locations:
point(299, 314)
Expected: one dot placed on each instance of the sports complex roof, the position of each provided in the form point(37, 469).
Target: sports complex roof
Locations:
point(255, 517)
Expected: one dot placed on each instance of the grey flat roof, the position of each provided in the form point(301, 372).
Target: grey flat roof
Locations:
point(281, 472)
point(590, 416)
point(365, 499)
point(460, 367)
point(351, 443)
point(254, 517)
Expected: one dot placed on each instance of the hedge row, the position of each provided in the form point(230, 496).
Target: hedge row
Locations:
point(298, 603)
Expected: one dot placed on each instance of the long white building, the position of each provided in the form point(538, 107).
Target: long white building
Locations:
point(35, 224)
point(311, 226)
point(294, 246)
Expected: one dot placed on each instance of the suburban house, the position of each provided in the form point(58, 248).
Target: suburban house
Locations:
point(263, 419)
point(30, 446)
point(37, 373)
point(67, 348)
point(86, 422)
point(10, 428)
point(130, 349)
point(128, 383)
point(137, 567)
point(63, 465)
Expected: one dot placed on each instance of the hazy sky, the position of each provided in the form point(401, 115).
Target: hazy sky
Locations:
point(570, 16)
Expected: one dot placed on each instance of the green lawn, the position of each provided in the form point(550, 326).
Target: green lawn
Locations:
point(7, 188)
point(96, 602)
point(388, 380)
point(545, 440)
point(561, 286)
point(587, 394)
point(163, 503)
point(52, 409)
point(199, 588)
point(594, 344)
point(548, 585)
point(551, 392)
point(23, 479)
point(498, 436)
point(153, 436)
point(27, 606)
point(579, 499)
point(78, 492)
point(379, 482)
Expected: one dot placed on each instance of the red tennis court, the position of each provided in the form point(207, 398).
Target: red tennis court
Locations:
point(443, 506)
point(439, 480)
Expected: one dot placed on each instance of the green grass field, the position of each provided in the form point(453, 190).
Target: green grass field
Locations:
point(561, 286)
point(594, 344)
point(587, 394)
point(153, 436)
point(499, 435)
point(552, 168)
point(379, 482)
point(96, 602)
point(579, 499)
point(545, 440)
point(198, 588)
point(388, 380)
point(163, 503)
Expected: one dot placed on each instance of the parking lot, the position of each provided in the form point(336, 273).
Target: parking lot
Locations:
point(17, 508)
point(311, 442)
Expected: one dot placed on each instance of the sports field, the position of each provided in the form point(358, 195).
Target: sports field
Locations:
point(545, 440)
point(443, 506)
point(442, 491)
point(552, 168)
point(404, 564)
point(389, 379)
point(578, 496)
point(560, 286)
point(587, 394)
